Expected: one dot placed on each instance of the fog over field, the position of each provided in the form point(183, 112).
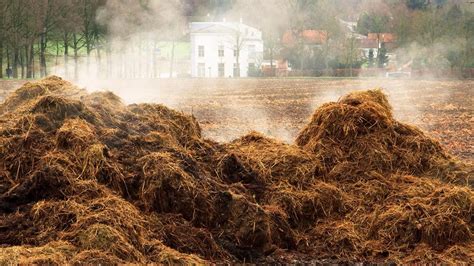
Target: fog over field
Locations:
point(133, 31)
point(229, 108)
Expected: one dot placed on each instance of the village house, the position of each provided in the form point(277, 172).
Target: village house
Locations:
point(375, 41)
point(311, 38)
point(384, 37)
point(307, 40)
point(224, 49)
point(366, 45)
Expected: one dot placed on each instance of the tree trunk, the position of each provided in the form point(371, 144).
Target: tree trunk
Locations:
point(76, 64)
point(15, 63)
point(27, 55)
point(1, 59)
point(57, 54)
point(66, 56)
point(22, 63)
point(30, 65)
point(8, 58)
point(43, 71)
point(39, 59)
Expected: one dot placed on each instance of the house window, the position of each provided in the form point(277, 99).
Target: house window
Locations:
point(236, 70)
point(221, 51)
point(201, 50)
point(221, 69)
point(201, 70)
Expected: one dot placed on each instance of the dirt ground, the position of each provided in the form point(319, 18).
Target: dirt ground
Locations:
point(229, 108)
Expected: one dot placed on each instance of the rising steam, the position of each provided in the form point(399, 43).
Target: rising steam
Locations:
point(132, 64)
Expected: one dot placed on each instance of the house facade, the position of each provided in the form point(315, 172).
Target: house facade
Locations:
point(224, 49)
point(365, 45)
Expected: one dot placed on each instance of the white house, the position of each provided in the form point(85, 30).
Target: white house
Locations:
point(224, 49)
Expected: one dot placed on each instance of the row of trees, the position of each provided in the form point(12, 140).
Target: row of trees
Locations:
point(92, 37)
point(121, 36)
point(33, 30)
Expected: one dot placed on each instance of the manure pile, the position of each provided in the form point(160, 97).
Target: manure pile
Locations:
point(87, 179)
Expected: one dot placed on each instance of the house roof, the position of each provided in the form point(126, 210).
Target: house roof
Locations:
point(290, 38)
point(219, 27)
point(383, 37)
point(212, 28)
point(368, 44)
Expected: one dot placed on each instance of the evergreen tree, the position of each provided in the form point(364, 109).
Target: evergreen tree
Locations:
point(382, 57)
point(371, 58)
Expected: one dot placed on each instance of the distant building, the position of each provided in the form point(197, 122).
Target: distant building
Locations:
point(224, 49)
point(301, 44)
point(382, 37)
point(388, 40)
point(375, 41)
point(306, 37)
point(366, 45)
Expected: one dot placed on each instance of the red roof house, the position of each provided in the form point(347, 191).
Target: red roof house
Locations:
point(382, 37)
point(309, 37)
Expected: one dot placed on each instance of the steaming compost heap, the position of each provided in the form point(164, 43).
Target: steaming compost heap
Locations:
point(87, 179)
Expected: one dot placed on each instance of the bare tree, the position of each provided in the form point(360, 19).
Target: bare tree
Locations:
point(90, 27)
point(17, 19)
point(49, 12)
point(235, 42)
point(4, 28)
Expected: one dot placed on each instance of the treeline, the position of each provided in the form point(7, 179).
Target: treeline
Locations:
point(32, 30)
point(37, 35)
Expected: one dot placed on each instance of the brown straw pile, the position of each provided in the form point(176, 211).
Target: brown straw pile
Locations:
point(87, 179)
